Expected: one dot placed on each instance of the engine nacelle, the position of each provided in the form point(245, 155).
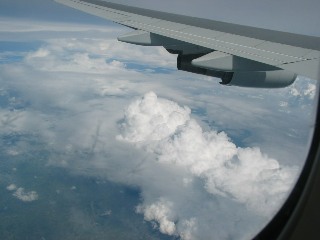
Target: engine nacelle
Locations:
point(255, 79)
point(269, 79)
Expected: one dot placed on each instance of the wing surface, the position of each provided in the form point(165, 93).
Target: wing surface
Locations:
point(293, 52)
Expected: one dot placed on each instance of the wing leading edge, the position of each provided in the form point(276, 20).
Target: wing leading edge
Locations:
point(239, 55)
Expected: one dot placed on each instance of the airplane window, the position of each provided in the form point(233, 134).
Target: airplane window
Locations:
point(101, 139)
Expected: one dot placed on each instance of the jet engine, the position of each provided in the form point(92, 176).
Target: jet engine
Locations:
point(271, 78)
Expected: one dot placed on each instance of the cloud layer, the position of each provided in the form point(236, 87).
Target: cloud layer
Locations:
point(208, 161)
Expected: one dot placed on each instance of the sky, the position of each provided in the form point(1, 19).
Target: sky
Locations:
point(287, 15)
point(208, 161)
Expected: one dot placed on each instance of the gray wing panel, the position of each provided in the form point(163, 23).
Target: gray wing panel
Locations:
point(293, 52)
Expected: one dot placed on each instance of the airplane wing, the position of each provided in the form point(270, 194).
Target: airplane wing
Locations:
point(239, 55)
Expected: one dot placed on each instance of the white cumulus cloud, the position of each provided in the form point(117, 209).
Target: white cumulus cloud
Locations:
point(24, 196)
point(159, 211)
point(243, 175)
point(21, 194)
point(151, 119)
point(11, 187)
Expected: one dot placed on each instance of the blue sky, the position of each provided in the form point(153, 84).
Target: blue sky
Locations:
point(123, 113)
point(46, 10)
